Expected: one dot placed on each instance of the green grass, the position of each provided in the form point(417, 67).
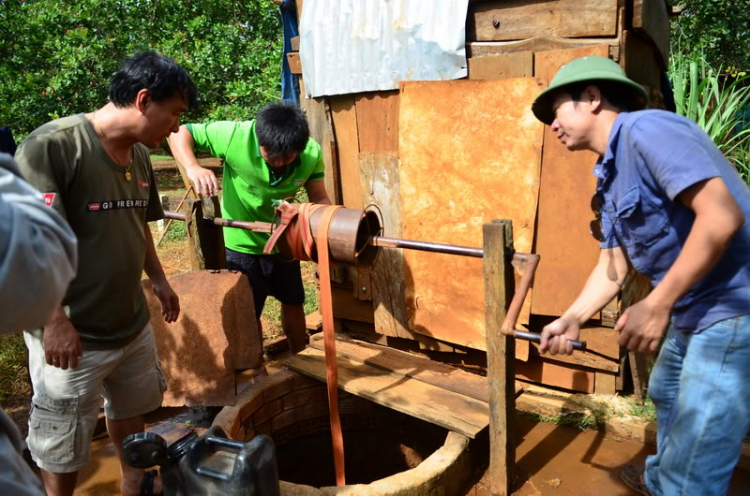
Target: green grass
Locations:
point(177, 231)
point(12, 367)
point(578, 420)
point(644, 410)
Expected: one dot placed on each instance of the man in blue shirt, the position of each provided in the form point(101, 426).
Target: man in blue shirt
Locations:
point(670, 204)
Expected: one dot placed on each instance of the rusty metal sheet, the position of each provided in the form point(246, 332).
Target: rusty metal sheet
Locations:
point(470, 152)
point(215, 335)
point(567, 249)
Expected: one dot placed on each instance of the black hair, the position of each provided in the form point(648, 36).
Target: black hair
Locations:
point(162, 76)
point(282, 129)
point(620, 96)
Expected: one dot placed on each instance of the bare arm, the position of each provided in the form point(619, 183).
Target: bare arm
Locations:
point(182, 145)
point(602, 285)
point(170, 303)
point(717, 219)
point(316, 192)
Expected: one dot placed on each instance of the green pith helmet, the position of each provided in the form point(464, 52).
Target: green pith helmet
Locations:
point(591, 69)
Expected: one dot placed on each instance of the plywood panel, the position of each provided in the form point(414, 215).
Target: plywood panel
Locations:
point(470, 152)
point(377, 119)
point(520, 19)
point(518, 64)
point(567, 249)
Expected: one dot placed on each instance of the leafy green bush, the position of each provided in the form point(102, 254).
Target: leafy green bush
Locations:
point(57, 56)
point(715, 100)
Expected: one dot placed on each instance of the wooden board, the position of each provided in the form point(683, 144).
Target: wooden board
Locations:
point(379, 177)
point(420, 368)
point(539, 44)
point(344, 115)
point(347, 306)
point(295, 66)
point(650, 17)
point(567, 249)
point(605, 383)
point(520, 19)
point(321, 130)
point(517, 64)
point(377, 121)
point(567, 377)
point(640, 61)
point(439, 406)
point(294, 42)
point(467, 157)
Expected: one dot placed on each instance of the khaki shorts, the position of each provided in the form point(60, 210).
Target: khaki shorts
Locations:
point(66, 403)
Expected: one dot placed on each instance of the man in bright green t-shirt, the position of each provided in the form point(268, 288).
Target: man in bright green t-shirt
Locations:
point(266, 159)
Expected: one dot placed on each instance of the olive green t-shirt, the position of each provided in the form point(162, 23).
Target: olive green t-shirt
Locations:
point(249, 188)
point(65, 160)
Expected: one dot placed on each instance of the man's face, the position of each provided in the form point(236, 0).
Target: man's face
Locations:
point(162, 119)
point(573, 121)
point(279, 162)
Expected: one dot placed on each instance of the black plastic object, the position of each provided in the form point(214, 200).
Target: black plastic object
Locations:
point(209, 464)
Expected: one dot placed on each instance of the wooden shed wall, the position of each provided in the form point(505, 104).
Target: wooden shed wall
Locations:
point(360, 134)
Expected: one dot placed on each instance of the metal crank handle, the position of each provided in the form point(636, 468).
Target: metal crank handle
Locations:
point(536, 337)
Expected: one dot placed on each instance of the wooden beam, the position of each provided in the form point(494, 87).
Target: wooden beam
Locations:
point(439, 406)
point(520, 19)
point(516, 64)
point(540, 44)
point(498, 284)
point(295, 43)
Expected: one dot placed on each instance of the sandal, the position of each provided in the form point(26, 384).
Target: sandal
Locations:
point(633, 477)
point(147, 484)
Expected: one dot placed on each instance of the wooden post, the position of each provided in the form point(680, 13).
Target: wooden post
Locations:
point(501, 351)
point(206, 241)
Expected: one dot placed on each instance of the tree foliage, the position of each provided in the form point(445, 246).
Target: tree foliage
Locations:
point(718, 29)
point(57, 56)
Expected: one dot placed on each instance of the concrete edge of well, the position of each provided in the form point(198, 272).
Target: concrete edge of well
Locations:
point(446, 472)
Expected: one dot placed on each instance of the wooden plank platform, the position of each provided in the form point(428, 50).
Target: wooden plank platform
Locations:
point(420, 368)
point(404, 382)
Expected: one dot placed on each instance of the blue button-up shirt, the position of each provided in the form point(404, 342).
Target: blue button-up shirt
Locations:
point(653, 156)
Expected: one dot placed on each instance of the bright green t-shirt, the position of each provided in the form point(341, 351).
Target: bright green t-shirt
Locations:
point(249, 187)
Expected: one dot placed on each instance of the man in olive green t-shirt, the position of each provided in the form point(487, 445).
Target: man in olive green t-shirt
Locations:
point(95, 170)
point(267, 159)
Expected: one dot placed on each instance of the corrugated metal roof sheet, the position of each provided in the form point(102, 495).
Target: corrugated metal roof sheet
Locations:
point(352, 46)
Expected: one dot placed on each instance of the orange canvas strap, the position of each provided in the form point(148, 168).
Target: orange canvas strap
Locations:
point(288, 213)
point(329, 340)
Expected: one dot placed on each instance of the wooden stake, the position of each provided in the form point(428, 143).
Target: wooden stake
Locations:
point(501, 350)
point(169, 221)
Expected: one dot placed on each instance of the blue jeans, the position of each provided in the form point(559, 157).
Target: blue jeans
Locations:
point(700, 388)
